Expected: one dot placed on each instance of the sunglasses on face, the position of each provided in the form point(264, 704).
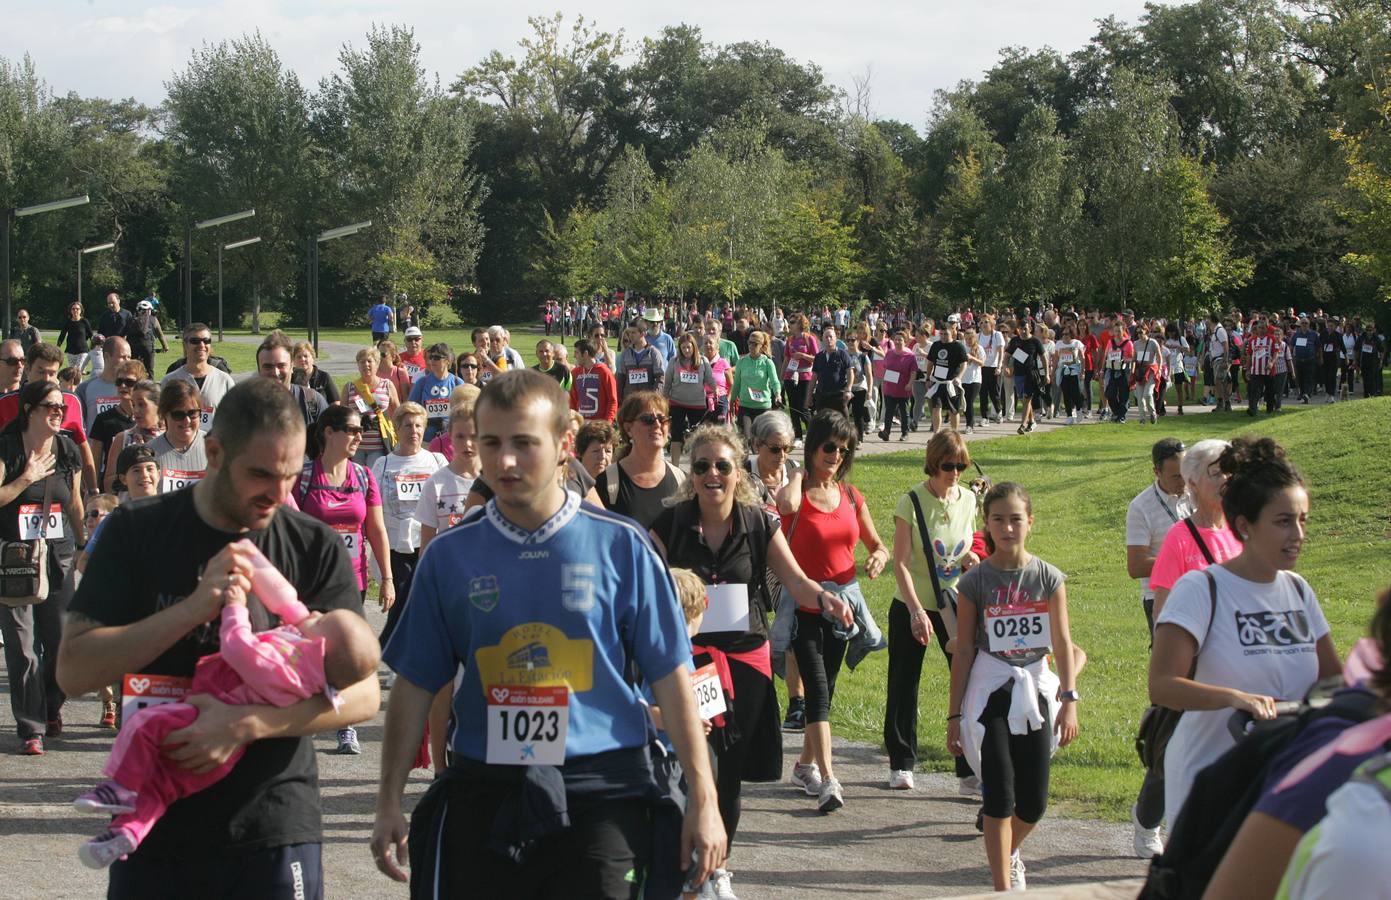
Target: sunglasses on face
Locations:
point(701, 466)
point(125, 382)
point(352, 429)
point(184, 415)
point(435, 357)
point(780, 449)
point(468, 365)
point(206, 342)
point(11, 360)
point(93, 514)
point(650, 419)
point(837, 449)
point(52, 407)
point(955, 467)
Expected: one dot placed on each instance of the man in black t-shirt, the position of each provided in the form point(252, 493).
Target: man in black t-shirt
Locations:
point(946, 358)
point(257, 833)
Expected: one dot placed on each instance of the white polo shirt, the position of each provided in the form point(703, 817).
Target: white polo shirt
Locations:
point(1150, 516)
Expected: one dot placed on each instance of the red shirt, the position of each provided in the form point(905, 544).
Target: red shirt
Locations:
point(594, 392)
point(823, 543)
point(72, 414)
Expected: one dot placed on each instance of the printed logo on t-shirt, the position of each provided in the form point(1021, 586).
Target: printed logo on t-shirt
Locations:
point(483, 592)
point(538, 654)
point(1270, 631)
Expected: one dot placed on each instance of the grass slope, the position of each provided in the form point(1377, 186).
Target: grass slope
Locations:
point(1082, 480)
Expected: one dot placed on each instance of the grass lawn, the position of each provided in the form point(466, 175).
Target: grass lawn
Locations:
point(1082, 480)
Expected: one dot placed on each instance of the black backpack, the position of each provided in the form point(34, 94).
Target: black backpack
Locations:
point(1226, 791)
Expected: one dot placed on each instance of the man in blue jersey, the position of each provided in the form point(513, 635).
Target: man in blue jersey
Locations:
point(542, 606)
point(383, 320)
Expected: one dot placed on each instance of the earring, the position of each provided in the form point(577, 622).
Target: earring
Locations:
point(1245, 536)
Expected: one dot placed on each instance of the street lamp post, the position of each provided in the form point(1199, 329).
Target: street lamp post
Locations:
point(313, 273)
point(5, 226)
point(83, 252)
point(188, 252)
point(220, 247)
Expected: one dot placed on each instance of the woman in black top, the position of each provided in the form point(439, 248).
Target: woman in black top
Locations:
point(1025, 360)
point(75, 337)
point(642, 478)
point(309, 375)
point(34, 455)
point(716, 527)
point(110, 423)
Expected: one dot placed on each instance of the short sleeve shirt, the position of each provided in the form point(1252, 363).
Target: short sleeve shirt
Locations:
point(342, 508)
point(988, 586)
point(569, 604)
point(1180, 554)
point(1148, 519)
point(443, 499)
point(950, 526)
point(401, 480)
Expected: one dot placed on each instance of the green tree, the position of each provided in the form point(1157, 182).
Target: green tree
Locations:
point(569, 265)
point(956, 271)
point(813, 257)
point(1194, 263)
point(1369, 178)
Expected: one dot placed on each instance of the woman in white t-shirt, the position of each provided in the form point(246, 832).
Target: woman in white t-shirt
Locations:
point(1255, 629)
point(971, 376)
point(1070, 359)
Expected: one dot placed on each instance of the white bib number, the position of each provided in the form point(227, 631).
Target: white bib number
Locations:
point(205, 418)
point(436, 409)
point(709, 696)
point(413, 371)
point(758, 396)
point(409, 487)
point(637, 376)
point(689, 377)
point(143, 691)
point(1301, 342)
point(527, 725)
point(177, 480)
point(31, 521)
point(351, 538)
point(892, 376)
point(728, 608)
point(1020, 356)
point(105, 403)
point(939, 372)
point(362, 406)
point(1024, 626)
point(1368, 348)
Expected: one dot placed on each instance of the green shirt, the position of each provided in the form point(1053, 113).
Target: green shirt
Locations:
point(756, 382)
point(729, 351)
point(951, 527)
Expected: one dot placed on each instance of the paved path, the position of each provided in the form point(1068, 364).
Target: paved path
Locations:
point(337, 358)
point(883, 844)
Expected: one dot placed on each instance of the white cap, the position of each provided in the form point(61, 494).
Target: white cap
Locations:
point(414, 332)
point(144, 304)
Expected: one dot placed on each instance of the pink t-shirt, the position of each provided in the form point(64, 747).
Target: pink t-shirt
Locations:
point(904, 365)
point(719, 367)
point(344, 509)
point(802, 343)
point(442, 445)
point(1179, 554)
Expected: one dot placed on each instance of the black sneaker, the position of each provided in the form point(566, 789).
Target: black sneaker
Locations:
point(796, 721)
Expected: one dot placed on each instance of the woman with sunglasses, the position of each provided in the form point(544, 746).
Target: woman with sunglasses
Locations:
point(756, 386)
point(145, 427)
point(688, 379)
point(110, 423)
point(390, 367)
point(35, 457)
point(824, 519)
point(182, 458)
point(638, 483)
point(924, 606)
point(434, 387)
point(372, 396)
point(466, 367)
point(716, 527)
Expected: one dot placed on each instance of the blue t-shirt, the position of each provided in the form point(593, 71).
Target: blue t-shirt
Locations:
point(433, 394)
point(381, 318)
point(567, 604)
point(1303, 805)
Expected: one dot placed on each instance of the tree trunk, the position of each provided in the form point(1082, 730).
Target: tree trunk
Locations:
point(255, 308)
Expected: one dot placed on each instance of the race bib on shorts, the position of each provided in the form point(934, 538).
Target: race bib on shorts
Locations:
point(31, 521)
point(409, 487)
point(705, 682)
point(527, 725)
point(351, 537)
point(177, 480)
point(143, 691)
point(637, 376)
point(758, 396)
point(689, 377)
point(1024, 626)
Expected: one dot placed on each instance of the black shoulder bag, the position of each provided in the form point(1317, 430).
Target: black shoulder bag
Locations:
point(945, 597)
point(1157, 724)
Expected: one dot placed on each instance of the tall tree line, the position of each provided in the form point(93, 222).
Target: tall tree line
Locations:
point(1222, 151)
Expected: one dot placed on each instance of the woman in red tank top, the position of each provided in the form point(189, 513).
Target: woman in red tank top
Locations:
point(824, 519)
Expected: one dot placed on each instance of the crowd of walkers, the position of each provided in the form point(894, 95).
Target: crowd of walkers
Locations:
point(554, 545)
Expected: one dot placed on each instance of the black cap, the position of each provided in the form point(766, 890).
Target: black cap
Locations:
point(134, 456)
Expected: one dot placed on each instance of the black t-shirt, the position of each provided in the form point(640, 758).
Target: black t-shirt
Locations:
point(150, 556)
point(639, 503)
point(740, 560)
point(1028, 368)
point(109, 424)
point(67, 461)
point(75, 336)
point(951, 354)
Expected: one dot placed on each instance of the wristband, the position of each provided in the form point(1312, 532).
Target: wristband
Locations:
point(957, 716)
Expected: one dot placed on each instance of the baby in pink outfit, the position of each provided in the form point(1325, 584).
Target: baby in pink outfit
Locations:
point(322, 652)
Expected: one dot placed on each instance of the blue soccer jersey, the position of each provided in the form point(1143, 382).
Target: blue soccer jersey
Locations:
point(566, 605)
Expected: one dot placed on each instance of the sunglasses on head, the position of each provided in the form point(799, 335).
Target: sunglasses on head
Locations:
point(184, 415)
point(955, 467)
point(205, 341)
point(650, 419)
point(125, 382)
point(701, 466)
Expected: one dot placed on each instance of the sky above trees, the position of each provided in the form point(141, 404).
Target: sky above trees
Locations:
point(103, 48)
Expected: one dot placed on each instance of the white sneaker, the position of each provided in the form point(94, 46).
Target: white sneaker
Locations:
point(1016, 873)
point(1149, 842)
point(807, 777)
point(969, 786)
point(719, 886)
point(1071, 420)
point(831, 798)
point(901, 780)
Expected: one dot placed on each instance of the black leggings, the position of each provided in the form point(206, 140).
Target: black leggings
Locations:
point(971, 391)
point(402, 571)
point(1072, 394)
point(895, 406)
point(819, 655)
point(1013, 767)
point(752, 689)
point(992, 392)
point(684, 421)
point(901, 700)
point(859, 412)
point(797, 393)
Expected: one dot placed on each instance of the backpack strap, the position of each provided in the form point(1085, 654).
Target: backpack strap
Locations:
point(1202, 545)
point(926, 540)
point(1212, 614)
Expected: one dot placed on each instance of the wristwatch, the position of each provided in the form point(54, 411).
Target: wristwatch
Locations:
point(1072, 696)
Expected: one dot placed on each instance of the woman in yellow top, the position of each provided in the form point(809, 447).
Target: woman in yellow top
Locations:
point(949, 515)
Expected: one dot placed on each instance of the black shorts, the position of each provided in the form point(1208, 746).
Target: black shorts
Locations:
point(275, 873)
point(1180, 377)
point(940, 400)
point(379, 336)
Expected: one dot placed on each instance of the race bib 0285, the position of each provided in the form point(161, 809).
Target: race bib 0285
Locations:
point(1022, 626)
